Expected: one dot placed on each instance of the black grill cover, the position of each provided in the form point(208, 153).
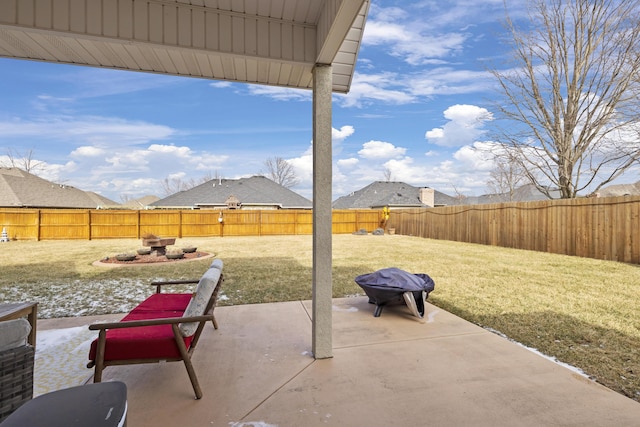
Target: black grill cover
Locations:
point(389, 284)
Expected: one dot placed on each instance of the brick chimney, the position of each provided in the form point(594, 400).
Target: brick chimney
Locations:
point(427, 196)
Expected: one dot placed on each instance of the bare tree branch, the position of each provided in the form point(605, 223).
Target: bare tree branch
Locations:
point(24, 161)
point(171, 186)
point(507, 177)
point(458, 193)
point(281, 172)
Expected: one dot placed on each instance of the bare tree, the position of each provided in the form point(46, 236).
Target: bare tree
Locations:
point(459, 195)
point(388, 176)
point(171, 186)
point(507, 176)
point(571, 98)
point(24, 161)
point(280, 171)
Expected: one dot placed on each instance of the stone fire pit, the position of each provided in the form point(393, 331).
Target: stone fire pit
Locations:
point(158, 245)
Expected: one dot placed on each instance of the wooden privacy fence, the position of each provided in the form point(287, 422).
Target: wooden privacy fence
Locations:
point(50, 224)
point(606, 228)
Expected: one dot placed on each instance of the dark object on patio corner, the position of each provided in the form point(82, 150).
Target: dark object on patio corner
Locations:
point(392, 285)
point(95, 405)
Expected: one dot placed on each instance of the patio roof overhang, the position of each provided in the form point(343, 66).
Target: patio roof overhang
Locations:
point(302, 44)
point(271, 42)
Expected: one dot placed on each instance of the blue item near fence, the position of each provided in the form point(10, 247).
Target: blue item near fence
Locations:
point(393, 285)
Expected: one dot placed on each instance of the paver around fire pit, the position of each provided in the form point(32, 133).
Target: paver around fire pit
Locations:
point(151, 259)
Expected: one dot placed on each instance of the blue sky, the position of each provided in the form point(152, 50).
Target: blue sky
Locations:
point(418, 106)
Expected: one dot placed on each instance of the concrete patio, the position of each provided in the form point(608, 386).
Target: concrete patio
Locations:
point(257, 370)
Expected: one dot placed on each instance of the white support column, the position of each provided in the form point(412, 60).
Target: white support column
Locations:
point(322, 229)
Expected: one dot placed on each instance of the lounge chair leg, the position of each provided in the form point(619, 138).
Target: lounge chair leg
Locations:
point(187, 361)
point(99, 362)
point(215, 323)
point(97, 375)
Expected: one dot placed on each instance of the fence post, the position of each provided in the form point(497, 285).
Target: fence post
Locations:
point(38, 224)
point(89, 225)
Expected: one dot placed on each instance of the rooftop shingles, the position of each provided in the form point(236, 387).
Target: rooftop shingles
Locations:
point(256, 190)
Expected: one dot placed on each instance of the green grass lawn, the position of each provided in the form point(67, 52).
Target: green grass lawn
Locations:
point(581, 311)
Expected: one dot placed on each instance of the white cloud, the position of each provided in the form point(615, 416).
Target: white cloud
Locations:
point(303, 164)
point(53, 99)
point(422, 49)
point(435, 133)
point(280, 93)
point(87, 151)
point(221, 84)
point(408, 88)
point(365, 89)
point(415, 44)
point(124, 162)
point(348, 163)
point(404, 170)
point(382, 32)
point(177, 175)
point(131, 172)
point(170, 150)
point(383, 87)
point(303, 167)
point(342, 133)
point(465, 125)
point(475, 157)
point(468, 115)
point(137, 187)
point(447, 81)
point(100, 132)
point(380, 150)
point(208, 162)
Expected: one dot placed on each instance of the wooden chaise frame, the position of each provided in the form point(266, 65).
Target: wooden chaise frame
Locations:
point(185, 354)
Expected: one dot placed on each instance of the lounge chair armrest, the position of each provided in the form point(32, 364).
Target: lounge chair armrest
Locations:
point(159, 284)
point(174, 282)
point(149, 322)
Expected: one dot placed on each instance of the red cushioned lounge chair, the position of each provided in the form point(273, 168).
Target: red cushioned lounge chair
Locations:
point(164, 327)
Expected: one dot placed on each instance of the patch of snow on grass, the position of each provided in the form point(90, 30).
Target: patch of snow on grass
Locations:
point(536, 351)
point(81, 298)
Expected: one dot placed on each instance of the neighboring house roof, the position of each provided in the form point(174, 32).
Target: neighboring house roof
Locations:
point(20, 189)
point(255, 191)
point(620, 190)
point(140, 203)
point(402, 195)
point(525, 193)
point(102, 201)
point(392, 194)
